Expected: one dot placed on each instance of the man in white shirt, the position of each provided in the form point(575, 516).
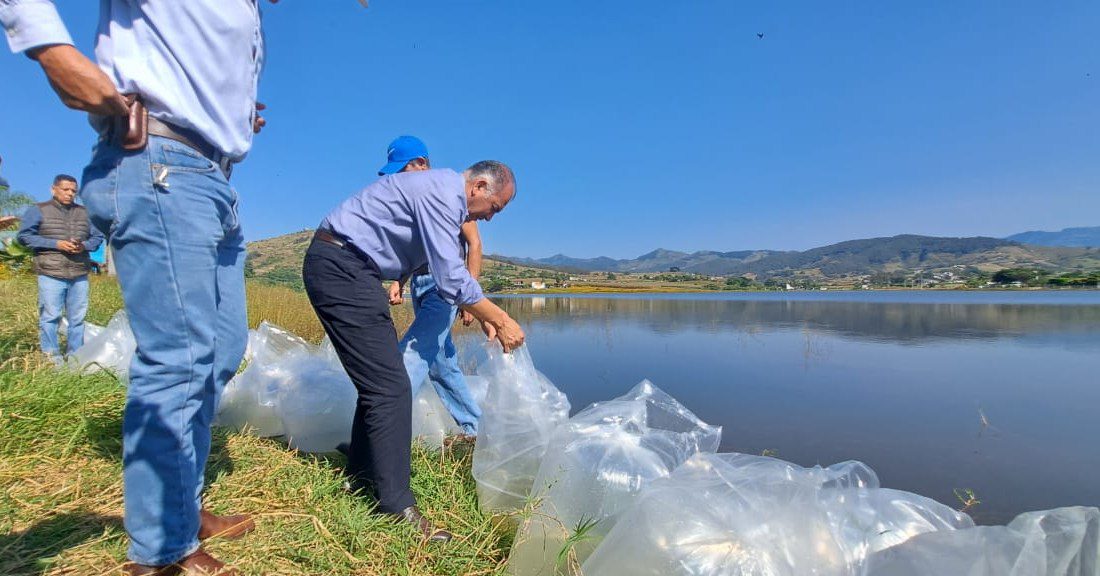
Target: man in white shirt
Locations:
point(171, 216)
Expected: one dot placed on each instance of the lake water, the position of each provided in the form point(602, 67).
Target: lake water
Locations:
point(998, 392)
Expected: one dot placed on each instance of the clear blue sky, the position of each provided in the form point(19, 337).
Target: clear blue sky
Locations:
point(637, 125)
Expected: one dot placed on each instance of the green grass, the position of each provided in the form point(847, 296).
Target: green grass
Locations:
point(61, 497)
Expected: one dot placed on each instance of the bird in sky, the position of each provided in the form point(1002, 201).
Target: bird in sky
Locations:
point(760, 35)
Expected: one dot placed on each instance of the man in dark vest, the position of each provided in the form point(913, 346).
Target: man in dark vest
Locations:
point(59, 233)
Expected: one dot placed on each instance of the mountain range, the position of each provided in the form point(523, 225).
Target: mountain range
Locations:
point(279, 259)
point(1072, 237)
point(866, 256)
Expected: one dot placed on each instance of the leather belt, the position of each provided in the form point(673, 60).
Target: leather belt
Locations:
point(326, 236)
point(192, 140)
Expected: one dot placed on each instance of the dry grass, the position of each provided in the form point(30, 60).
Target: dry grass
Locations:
point(290, 309)
point(61, 490)
point(284, 307)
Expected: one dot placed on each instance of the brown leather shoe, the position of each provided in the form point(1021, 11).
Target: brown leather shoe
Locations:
point(198, 563)
point(413, 516)
point(228, 527)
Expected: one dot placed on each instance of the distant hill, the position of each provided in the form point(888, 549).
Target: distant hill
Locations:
point(866, 256)
point(1070, 237)
point(279, 260)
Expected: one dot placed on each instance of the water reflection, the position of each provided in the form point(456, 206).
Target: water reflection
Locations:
point(875, 321)
point(937, 392)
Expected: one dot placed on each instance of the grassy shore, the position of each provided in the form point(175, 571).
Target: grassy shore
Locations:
point(60, 473)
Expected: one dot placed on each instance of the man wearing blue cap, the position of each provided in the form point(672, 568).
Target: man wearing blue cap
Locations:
point(427, 348)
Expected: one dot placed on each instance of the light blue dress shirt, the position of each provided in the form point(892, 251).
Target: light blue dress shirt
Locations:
point(410, 219)
point(196, 63)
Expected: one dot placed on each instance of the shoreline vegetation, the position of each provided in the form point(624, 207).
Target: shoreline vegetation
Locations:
point(506, 278)
point(60, 466)
point(657, 290)
point(902, 262)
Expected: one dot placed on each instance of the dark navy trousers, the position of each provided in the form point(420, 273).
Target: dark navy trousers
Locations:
point(345, 288)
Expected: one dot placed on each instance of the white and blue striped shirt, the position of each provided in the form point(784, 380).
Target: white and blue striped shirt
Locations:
point(196, 63)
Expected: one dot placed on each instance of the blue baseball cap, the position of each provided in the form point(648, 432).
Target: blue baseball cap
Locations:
point(402, 151)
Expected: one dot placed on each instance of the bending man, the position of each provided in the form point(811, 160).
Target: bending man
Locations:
point(427, 347)
point(392, 227)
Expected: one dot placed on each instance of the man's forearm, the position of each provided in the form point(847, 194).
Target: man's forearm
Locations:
point(79, 83)
point(472, 237)
point(485, 311)
point(473, 260)
point(497, 323)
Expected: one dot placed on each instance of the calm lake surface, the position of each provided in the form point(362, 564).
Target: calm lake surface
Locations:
point(998, 392)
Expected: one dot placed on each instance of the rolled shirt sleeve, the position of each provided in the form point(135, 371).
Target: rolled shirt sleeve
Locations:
point(32, 23)
point(438, 225)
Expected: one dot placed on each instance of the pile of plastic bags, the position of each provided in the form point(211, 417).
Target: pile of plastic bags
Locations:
point(105, 348)
point(595, 466)
point(735, 514)
point(251, 400)
point(633, 486)
point(1060, 542)
point(288, 388)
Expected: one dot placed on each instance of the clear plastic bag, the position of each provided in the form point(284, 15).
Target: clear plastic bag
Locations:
point(92, 330)
point(431, 421)
point(1060, 542)
point(741, 515)
point(315, 403)
point(111, 348)
point(521, 410)
point(291, 388)
point(479, 388)
point(595, 466)
point(250, 400)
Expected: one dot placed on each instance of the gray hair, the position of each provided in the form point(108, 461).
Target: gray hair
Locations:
point(497, 173)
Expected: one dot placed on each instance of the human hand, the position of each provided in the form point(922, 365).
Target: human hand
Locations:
point(394, 293)
point(489, 330)
point(466, 317)
point(78, 81)
point(509, 334)
point(6, 221)
point(69, 247)
point(259, 122)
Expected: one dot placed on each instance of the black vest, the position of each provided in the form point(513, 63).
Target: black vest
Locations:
point(61, 222)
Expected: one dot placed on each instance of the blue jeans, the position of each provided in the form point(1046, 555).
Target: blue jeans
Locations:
point(55, 295)
point(171, 217)
point(429, 352)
